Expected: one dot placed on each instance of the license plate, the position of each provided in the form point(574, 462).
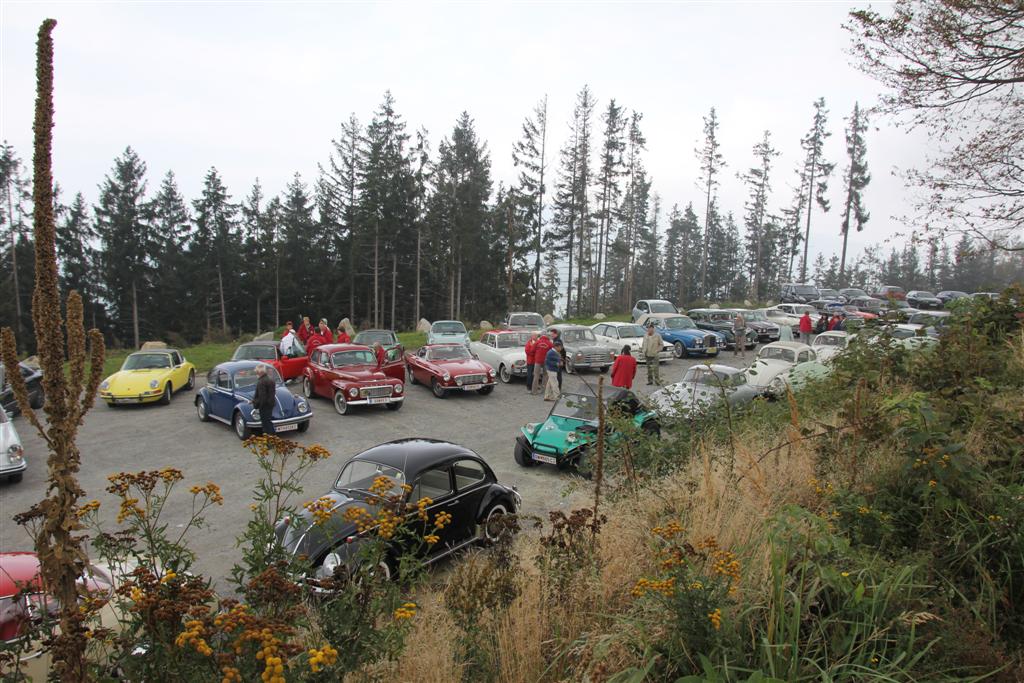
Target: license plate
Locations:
point(550, 460)
point(373, 401)
point(712, 349)
point(126, 400)
point(286, 428)
point(472, 387)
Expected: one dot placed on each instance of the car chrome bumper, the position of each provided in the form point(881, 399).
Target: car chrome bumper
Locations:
point(14, 469)
point(520, 371)
point(127, 399)
point(384, 400)
point(280, 422)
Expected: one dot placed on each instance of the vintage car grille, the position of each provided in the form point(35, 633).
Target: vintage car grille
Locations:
point(469, 379)
point(710, 340)
point(375, 392)
point(595, 358)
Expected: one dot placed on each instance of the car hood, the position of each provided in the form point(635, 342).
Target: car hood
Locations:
point(685, 397)
point(466, 366)
point(448, 337)
point(585, 348)
point(135, 381)
point(301, 536)
point(512, 354)
point(361, 373)
point(8, 437)
point(762, 372)
point(677, 335)
point(554, 432)
point(761, 325)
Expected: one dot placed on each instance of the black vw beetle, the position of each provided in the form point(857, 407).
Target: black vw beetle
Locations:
point(454, 478)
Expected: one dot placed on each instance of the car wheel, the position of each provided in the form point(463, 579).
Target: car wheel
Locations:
point(397, 405)
point(485, 390)
point(436, 387)
point(522, 455)
point(340, 404)
point(202, 411)
point(651, 428)
point(303, 426)
point(307, 387)
point(493, 528)
point(679, 349)
point(410, 378)
point(37, 401)
point(570, 367)
point(166, 398)
point(191, 380)
point(241, 429)
point(16, 478)
point(505, 374)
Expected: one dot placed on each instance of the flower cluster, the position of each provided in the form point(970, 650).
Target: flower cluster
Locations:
point(381, 485)
point(211, 490)
point(669, 531)
point(320, 509)
point(88, 508)
point(359, 516)
point(643, 586)
point(421, 507)
point(431, 539)
point(726, 564)
point(716, 619)
point(325, 656)
point(129, 507)
point(406, 611)
point(821, 488)
point(442, 519)
point(387, 523)
point(231, 675)
point(193, 635)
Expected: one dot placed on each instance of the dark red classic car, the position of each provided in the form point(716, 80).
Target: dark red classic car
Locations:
point(448, 367)
point(289, 367)
point(349, 375)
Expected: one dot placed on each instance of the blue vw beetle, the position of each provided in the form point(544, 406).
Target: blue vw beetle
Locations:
point(683, 334)
point(229, 389)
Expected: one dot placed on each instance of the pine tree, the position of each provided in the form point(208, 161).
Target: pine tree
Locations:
point(261, 245)
point(18, 248)
point(76, 254)
point(711, 164)
point(610, 170)
point(215, 249)
point(857, 178)
point(634, 241)
point(550, 286)
point(340, 186)
point(123, 223)
point(816, 171)
point(529, 155)
point(303, 257)
point(171, 229)
point(671, 255)
point(758, 183)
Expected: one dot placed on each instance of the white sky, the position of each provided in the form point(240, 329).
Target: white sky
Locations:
point(259, 89)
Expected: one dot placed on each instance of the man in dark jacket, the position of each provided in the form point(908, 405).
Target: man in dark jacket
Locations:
point(265, 398)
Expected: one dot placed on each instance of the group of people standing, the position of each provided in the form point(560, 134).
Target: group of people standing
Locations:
point(304, 340)
point(545, 360)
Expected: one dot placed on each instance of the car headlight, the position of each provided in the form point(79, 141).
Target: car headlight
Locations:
point(255, 413)
point(458, 380)
point(15, 454)
point(698, 342)
point(579, 355)
point(398, 388)
point(302, 406)
point(447, 377)
point(491, 372)
point(520, 363)
point(353, 392)
point(104, 385)
point(778, 385)
point(332, 562)
point(571, 437)
point(154, 384)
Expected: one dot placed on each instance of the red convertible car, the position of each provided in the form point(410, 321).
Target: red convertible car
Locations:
point(449, 367)
point(349, 375)
point(289, 367)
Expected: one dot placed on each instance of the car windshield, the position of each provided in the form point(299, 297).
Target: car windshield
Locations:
point(448, 327)
point(827, 292)
point(828, 340)
point(374, 337)
point(804, 290)
point(755, 315)
point(255, 352)
point(361, 474)
point(902, 333)
point(576, 406)
point(662, 307)
point(448, 353)
point(852, 293)
point(924, 295)
point(704, 375)
point(777, 353)
point(869, 303)
point(247, 377)
point(679, 322)
point(801, 309)
point(722, 316)
point(340, 359)
point(924, 319)
point(898, 303)
point(526, 320)
point(579, 335)
point(147, 361)
point(630, 331)
point(512, 341)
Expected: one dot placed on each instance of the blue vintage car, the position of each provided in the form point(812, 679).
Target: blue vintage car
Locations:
point(683, 334)
point(229, 389)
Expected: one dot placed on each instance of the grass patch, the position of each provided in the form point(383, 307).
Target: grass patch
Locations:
point(203, 356)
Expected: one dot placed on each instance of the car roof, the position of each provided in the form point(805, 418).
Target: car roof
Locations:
point(233, 366)
point(376, 330)
point(567, 326)
point(718, 367)
point(507, 332)
point(163, 350)
point(331, 348)
point(833, 333)
point(412, 455)
point(660, 301)
point(447, 321)
point(524, 313)
point(663, 316)
point(796, 346)
point(616, 323)
point(262, 342)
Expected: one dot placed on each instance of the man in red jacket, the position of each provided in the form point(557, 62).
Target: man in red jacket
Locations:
point(380, 354)
point(540, 350)
point(806, 328)
point(325, 332)
point(624, 369)
point(305, 330)
point(531, 345)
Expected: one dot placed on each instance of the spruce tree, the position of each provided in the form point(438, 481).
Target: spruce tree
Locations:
point(17, 248)
point(857, 178)
point(215, 251)
point(711, 164)
point(758, 181)
point(529, 154)
point(76, 254)
point(171, 229)
point(816, 172)
point(340, 186)
point(610, 170)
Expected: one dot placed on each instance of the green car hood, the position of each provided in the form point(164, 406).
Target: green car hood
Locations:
point(552, 435)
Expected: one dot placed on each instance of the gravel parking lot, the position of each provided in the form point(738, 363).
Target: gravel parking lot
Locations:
point(136, 438)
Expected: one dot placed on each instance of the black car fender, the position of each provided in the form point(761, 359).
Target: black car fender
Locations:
point(495, 494)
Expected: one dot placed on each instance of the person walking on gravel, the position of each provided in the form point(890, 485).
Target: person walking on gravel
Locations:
point(651, 348)
point(531, 345)
point(265, 398)
point(739, 325)
point(540, 352)
point(806, 328)
point(552, 362)
point(624, 369)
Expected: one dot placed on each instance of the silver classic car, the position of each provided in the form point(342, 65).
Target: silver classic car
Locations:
point(582, 349)
point(12, 456)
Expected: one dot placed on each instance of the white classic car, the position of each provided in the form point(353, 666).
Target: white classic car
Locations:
point(828, 344)
point(12, 455)
point(616, 335)
point(776, 358)
point(781, 317)
point(503, 350)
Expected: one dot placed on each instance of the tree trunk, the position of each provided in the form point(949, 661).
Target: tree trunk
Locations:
point(259, 320)
point(135, 314)
point(508, 285)
point(540, 208)
point(223, 309)
point(277, 293)
point(352, 274)
point(707, 234)
point(807, 232)
point(416, 304)
point(394, 286)
point(14, 262)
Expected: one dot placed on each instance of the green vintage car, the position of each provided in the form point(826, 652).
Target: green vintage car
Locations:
point(565, 438)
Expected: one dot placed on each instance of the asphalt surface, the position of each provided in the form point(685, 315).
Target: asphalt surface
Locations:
point(150, 437)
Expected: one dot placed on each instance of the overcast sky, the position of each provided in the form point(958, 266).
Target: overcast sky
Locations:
point(260, 89)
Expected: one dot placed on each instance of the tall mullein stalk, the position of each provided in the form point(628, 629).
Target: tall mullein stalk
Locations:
point(599, 465)
point(62, 559)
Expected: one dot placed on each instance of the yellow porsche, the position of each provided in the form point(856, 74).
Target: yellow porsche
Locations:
point(149, 377)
